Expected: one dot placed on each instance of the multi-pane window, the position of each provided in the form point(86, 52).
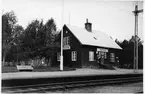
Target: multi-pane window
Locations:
point(74, 56)
point(112, 57)
point(91, 56)
point(58, 56)
point(66, 40)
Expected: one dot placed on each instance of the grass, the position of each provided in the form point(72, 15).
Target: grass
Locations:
point(40, 69)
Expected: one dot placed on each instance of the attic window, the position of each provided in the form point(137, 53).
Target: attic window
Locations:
point(95, 38)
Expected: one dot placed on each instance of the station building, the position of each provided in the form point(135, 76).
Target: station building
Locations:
point(84, 47)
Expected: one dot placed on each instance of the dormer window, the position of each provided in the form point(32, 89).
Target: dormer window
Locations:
point(95, 38)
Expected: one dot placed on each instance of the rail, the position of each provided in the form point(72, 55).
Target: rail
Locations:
point(65, 85)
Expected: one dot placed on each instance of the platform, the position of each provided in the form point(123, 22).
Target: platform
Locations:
point(77, 72)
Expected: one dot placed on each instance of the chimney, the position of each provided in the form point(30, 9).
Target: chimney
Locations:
point(88, 26)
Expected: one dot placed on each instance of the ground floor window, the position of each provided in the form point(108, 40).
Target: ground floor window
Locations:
point(91, 56)
point(105, 55)
point(112, 57)
point(74, 55)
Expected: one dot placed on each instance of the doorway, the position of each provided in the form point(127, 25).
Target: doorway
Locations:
point(101, 57)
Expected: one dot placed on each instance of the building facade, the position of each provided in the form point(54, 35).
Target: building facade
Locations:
point(84, 47)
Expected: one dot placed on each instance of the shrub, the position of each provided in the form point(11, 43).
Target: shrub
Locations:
point(37, 62)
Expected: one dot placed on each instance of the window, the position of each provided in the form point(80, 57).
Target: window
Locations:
point(74, 56)
point(105, 55)
point(66, 40)
point(112, 57)
point(91, 56)
point(58, 56)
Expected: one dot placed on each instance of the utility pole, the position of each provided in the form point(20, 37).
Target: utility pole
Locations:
point(61, 56)
point(136, 12)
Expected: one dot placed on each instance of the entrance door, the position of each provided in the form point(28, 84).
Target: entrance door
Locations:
point(102, 57)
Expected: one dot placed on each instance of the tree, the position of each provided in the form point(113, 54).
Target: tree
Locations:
point(117, 41)
point(40, 38)
point(35, 41)
point(50, 30)
point(32, 36)
point(8, 21)
point(17, 42)
point(17, 34)
point(127, 54)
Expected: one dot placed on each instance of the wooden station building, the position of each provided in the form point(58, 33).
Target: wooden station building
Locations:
point(84, 47)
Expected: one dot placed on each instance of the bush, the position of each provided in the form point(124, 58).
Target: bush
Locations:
point(11, 64)
point(37, 62)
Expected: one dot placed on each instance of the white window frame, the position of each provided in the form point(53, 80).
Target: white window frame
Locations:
point(74, 55)
point(91, 56)
point(66, 40)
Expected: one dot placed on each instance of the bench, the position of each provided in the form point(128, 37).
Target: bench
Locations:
point(24, 68)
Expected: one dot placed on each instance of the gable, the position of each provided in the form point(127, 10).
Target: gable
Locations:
point(74, 42)
point(66, 29)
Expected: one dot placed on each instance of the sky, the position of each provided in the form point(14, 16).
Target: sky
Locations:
point(115, 18)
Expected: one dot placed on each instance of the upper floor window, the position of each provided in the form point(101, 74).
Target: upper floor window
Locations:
point(91, 56)
point(66, 40)
point(74, 56)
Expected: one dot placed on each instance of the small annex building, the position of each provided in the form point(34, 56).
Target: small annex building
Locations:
point(84, 47)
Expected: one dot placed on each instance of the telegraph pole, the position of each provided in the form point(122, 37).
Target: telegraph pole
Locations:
point(136, 12)
point(61, 56)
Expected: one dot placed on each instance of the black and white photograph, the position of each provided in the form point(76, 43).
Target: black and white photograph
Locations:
point(72, 46)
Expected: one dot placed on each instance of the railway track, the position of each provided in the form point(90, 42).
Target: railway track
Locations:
point(66, 85)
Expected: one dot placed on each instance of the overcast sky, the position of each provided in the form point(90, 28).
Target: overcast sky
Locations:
point(115, 18)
